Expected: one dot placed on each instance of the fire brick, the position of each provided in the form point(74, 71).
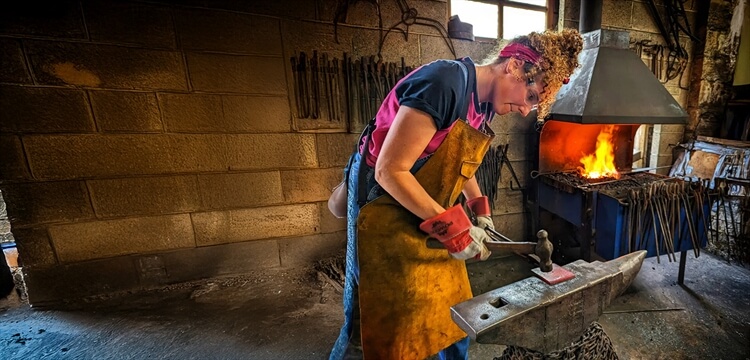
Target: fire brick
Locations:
point(100, 239)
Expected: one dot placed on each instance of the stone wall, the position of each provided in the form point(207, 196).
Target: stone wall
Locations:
point(715, 69)
point(145, 143)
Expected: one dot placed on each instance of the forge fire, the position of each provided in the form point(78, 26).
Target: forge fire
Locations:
point(601, 163)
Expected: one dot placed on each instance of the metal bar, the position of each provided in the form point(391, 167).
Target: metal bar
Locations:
point(681, 273)
point(513, 4)
point(639, 311)
point(590, 16)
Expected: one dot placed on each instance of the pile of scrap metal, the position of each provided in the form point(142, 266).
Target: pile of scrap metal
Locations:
point(724, 166)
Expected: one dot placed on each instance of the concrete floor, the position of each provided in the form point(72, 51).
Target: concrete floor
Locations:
point(289, 314)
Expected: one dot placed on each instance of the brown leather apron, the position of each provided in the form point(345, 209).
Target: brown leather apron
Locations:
point(406, 289)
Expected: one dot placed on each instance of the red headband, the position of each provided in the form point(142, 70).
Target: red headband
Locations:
point(520, 51)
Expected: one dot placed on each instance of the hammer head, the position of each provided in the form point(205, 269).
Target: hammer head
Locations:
point(544, 251)
point(548, 272)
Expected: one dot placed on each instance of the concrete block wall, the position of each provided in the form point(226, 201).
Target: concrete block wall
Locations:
point(145, 143)
point(634, 17)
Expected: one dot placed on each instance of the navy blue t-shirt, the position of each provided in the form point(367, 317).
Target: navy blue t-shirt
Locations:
point(439, 89)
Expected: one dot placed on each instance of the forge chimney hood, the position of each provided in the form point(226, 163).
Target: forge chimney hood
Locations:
point(614, 86)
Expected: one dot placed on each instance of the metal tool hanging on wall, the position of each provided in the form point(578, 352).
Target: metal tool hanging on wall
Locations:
point(671, 25)
point(317, 87)
point(490, 171)
point(349, 89)
point(367, 83)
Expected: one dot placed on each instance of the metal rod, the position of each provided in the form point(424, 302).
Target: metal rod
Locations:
point(681, 273)
point(643, 310)
point(591, 16)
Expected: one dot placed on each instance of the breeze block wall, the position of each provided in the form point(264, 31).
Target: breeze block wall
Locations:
point(146, 143)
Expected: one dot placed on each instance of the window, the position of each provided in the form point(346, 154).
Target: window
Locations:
point(500, 19)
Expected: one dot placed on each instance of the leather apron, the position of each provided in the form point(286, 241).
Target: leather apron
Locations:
point(405, 288)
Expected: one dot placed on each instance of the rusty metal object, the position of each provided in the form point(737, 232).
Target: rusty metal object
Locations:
point(534, 315)
point(543, 250)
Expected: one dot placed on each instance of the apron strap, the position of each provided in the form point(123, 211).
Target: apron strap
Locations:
point(467, 95)
point(363, 167)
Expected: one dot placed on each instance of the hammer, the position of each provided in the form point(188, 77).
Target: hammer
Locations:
point(539, 252)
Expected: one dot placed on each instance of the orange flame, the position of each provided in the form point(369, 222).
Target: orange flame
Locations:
point(601, 164)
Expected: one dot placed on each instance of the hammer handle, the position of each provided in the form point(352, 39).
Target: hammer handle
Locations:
point(522, 248)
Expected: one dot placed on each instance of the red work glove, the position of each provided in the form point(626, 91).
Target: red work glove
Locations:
point(453, 228)
point(480, 206)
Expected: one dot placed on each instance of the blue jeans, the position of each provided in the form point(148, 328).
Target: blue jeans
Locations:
point(457, 351)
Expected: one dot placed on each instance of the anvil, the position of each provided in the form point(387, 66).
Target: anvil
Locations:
point(533, 314)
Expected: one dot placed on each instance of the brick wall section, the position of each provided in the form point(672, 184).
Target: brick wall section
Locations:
point(145, 143)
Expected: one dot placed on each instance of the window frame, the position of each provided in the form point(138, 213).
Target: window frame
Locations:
point(548, 9)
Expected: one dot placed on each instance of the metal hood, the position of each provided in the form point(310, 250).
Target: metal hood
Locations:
point(614, 86)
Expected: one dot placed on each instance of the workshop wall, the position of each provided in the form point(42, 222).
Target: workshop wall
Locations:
point(145, 143)
point(715, 67)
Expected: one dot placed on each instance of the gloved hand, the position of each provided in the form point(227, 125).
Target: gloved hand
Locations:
point(481, 208)
point(453, 228)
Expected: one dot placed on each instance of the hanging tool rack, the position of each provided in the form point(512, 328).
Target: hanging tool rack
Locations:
point(672, 24)
point(350, 89)
point(317, 87)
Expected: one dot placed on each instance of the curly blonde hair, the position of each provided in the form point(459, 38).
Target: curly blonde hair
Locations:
point(558, 59)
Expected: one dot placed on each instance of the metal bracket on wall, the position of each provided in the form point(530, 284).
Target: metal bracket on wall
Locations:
point(505, 161)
